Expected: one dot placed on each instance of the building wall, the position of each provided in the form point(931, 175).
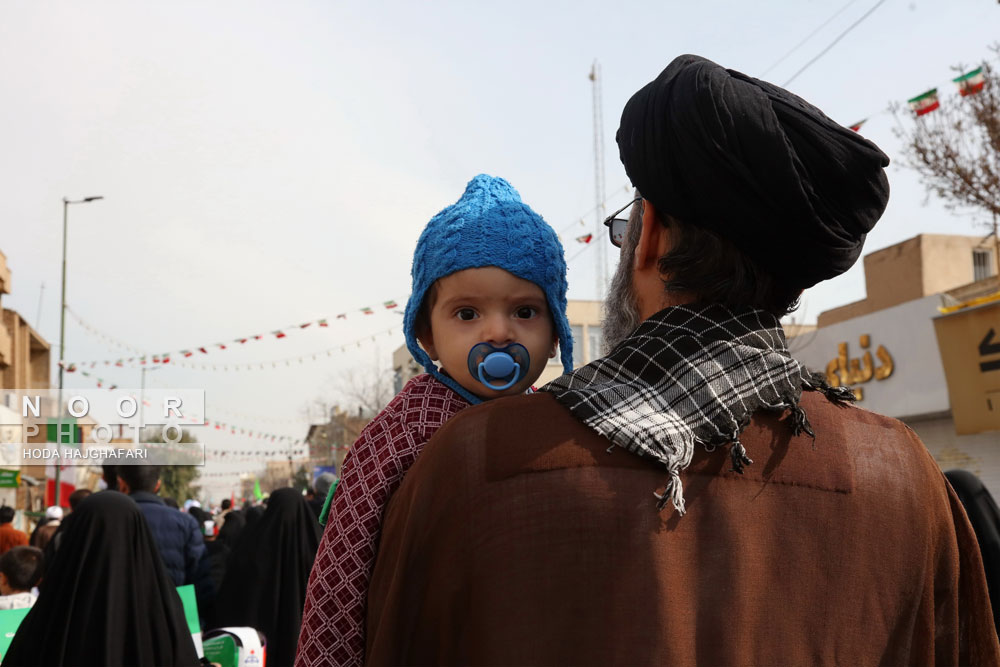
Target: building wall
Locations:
point(6, 343)
point(906, 332)
point(29, 364)
point(918, 267)
point(976, 453)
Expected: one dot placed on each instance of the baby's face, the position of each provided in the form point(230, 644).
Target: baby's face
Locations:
point(493, 306)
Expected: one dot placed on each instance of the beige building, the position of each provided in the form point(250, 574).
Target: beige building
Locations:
point(24, 354)
point(923, 346)
point(585, 325)
point(24, 364)
point(918, 267)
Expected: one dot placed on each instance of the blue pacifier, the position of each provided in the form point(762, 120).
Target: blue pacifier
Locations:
point(506, 365)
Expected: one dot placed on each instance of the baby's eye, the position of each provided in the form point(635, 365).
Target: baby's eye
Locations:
point(525, 312)
point(466, 314)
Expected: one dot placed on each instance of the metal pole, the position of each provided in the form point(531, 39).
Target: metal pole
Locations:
point(62, 335)
point(62, 348)
point(142, 402)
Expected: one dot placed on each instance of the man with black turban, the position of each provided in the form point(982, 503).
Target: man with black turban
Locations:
point(696, 496)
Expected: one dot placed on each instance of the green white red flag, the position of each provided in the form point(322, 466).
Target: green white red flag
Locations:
point(970, 82)
point(389, 304)
point(857, 126)
point(586, 238)
point(925, 102)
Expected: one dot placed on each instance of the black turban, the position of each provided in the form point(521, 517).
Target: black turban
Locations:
point(757, 165)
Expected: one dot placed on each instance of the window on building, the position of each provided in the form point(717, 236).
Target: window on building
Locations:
point(595, 340)
point(982, 263)
point(577, 331)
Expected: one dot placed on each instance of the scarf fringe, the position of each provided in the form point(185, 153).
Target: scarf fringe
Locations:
point(673, 493)
point(738, 455)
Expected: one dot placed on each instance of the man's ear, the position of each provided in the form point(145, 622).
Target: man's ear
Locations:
point(158, 483)
point(653, 240)
point(426, 340)
point(555, 346)
point(123, 486)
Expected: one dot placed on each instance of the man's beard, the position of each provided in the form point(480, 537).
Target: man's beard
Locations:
point(621, 307)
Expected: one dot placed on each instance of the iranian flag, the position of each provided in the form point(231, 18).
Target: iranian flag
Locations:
point(925, 102)
point(367, 311)
point(970, 82)
point(389, 304)
point(857, 126)
point(586, 238)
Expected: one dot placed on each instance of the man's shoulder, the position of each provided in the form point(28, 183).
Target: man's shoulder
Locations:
point(524, 433)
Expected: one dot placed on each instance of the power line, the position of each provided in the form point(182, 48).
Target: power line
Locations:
point(834, 42)
point(807, 38)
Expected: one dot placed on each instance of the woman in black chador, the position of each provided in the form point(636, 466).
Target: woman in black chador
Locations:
point(265, 582)
point(105, 598)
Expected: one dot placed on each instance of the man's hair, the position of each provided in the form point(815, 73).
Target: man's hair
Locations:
point(6, 514)
point(226, 504)
point(170, 501)
point(712, 269)
point(22, 566)
point(76, 497)
point(140, 478)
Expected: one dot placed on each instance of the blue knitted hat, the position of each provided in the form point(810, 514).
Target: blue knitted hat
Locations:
point(489, 226)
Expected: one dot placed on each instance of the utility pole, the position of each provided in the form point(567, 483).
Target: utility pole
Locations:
point(601, 263)
point(62, 336)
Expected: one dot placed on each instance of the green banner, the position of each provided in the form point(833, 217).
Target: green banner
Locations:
point(190, 603)
point(9, 620)
point(10, 479)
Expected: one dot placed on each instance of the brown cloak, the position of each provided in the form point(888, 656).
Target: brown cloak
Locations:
point(516, 539)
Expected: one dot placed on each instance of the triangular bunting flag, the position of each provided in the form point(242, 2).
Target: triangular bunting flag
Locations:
point(342, 316)
point(323, 323)
point(389, 304)
point(857, 126)
point(367, 311)
point(586, 238)
point(278, 334)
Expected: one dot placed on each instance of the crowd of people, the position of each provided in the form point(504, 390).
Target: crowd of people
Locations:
point(104, 590)
point(695, 496)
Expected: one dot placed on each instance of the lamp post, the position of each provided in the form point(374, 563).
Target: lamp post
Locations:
point(62, 330)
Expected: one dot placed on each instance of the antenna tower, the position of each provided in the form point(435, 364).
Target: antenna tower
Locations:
point(601, 257)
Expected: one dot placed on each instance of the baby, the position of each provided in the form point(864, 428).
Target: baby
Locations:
point(488, 303)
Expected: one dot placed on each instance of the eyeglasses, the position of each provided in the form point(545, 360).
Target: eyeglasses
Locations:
point(616, 226)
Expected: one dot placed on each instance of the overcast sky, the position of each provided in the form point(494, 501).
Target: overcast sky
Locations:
point(267, 164)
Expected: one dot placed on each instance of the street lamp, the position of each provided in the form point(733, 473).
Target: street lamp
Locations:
point(62, 330)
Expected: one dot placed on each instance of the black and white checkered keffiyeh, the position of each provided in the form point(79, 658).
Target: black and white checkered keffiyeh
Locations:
point(690, 375)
